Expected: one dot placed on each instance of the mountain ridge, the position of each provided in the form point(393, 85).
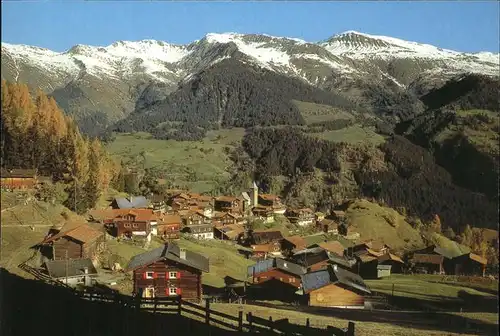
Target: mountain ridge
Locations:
point(105, 83)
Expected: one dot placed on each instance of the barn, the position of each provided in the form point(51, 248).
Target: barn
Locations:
point(334, 287)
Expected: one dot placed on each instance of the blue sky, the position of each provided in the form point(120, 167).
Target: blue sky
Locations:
point(463, 26)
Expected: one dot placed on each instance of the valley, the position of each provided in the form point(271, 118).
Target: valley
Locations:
point(261, 174)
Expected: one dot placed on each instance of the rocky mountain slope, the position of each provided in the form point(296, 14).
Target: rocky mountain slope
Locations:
point(101, 85)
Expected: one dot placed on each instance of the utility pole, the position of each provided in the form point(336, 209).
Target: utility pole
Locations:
point(66, 268)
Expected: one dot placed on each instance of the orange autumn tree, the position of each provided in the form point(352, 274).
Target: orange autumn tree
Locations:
point(37, 134)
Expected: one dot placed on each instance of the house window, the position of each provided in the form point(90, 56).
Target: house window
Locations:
point(150, 275)
point(172, 275)
point(127, 225)
point(172, 291)
point(291, 280)
point(135, 225)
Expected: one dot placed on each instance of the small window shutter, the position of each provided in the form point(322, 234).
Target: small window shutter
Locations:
point(144, 275)
point(167, 293)
point(178, 291)
point(178, 275)
point(167, 275)
point(155, 275)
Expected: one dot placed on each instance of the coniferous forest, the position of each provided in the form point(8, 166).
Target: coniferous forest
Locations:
point(36, 134)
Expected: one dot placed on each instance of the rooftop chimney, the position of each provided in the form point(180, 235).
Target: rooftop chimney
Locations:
point(285, 265)
point(335, 267)
point(86, 270)
point(182, 253)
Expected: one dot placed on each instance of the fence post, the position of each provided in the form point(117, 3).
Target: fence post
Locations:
point(179, 305)
point(249, 319)
point(308, 324)
point(350, 329)
point(270, 323)
point(207, 311)
point(155, 302)
point(240, 321)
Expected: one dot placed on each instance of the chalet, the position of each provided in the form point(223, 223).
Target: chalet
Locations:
point(158, 203)
point(319, 216)
point(315, 258)
point(332, 246)
point(190, 217)
point(229, 204)
point(226, 218)
point(301, 217)
point(200, 231)
point(388, 264)
point(260, 237)
point(75, 241)
point(132, 223)
point(168, 226)
point(276, 268)
point(428, 263)
point(231, 232)
point(168, 271)
point(469, 264)
point(273, 201)
point(338, 215)
point(18, 178)
point(334, 287)
point(262, 251)
point(265, 214)
point(72, 272)
point(291, 244)
point(449, 253)
point(133, 202)
point(327, 226)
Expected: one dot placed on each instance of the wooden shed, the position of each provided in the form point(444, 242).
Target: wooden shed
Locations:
point(428, 263)
point(75, 242)
point(334, 287)
point(168, 271)
point(470, 264)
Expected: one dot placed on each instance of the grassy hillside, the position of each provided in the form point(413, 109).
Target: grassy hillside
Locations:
point(313, 113)
point(373, 221)
point(354, 134)
point(197, 165)
point(25, 224)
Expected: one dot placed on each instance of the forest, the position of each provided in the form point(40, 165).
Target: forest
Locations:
point(412, 179)
point(229, 94)
point(37, 135)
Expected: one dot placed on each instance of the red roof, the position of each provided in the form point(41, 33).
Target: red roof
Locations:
point(82, 232)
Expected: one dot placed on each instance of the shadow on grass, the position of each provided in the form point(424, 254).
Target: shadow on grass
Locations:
point(31, 307)
point(425, 320)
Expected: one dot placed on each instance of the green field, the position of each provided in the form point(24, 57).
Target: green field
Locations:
point(437, 292)
point(354, 134)
point(313, 113)
point(197, 165)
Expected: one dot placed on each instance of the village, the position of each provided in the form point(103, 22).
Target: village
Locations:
point(318, 260)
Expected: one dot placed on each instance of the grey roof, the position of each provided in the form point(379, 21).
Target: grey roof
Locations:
point(344, 261)
point(331, 275)
point(245, 196)
point(133, 202)
point(171, 252)
point(76, 267)
point(284, 265)
point(309, 250)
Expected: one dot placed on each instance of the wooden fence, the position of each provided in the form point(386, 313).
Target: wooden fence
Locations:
point(240, 323)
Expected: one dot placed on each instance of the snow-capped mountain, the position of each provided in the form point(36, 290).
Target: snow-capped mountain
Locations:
point(109, 79)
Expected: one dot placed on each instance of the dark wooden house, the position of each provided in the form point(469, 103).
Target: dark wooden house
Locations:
point(291, 244)
point(168, 226)
point(301, 217)
point(272, 201)
point(73, 242)
point(427, 263)
point(158, 203)
point(469, 264)
point(229, 204)
point(168, 271)
point(334, 287)
point(131, 222)
point(259, 237)
point(18, 178)
point(277, 269)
